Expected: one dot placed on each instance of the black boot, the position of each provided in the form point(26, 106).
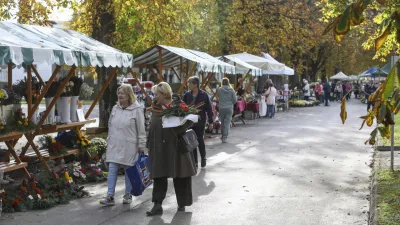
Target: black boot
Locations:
point(203, 163)
point(181, 208)
point(156, 210)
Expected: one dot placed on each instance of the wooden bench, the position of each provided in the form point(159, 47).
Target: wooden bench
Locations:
point(10, 166)
point(31, 156)
point(10, 140)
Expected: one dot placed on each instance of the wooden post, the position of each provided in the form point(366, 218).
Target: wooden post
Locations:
point(59, 91)
point(186, 79)
point(241, 82)
point(160, 63)
point(208, 78)
point(35, 148)
point(154, 74)
point(111, 76)
point(177, 75)
point(202, 76)
point(46, 88)
point(140, 85)
point(249, 85)
point(37, 74)
point(29, 92)
point(9, 75)
point(10, 146)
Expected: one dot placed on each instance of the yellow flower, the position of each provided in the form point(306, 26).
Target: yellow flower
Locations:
point(26, 120)
point(26, 124)
point(53, 141)
point(19, 123)
point(1, 127)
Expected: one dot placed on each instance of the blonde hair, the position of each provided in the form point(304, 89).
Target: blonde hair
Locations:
point(225, 81)
point(164, 89)
point(127, 89)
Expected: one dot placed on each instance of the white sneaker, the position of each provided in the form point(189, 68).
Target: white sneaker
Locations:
point(127, 199)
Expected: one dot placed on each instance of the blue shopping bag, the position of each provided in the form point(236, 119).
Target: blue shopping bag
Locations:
point(139, 175)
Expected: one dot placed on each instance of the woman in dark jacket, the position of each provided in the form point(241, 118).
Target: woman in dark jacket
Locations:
point(165, 160)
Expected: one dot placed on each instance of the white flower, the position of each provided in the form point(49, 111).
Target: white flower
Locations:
point(76, 174)
point(71, 83)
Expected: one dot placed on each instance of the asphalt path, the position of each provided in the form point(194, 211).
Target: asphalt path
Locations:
point(301, 167)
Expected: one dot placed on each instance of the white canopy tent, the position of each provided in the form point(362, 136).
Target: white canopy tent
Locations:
point(353, 77)
point(268, 66)
point(171, 57)
point(241, 66)
point(339, 76)
point(288, 71)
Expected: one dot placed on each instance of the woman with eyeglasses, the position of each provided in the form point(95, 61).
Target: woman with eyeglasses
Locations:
point(165, 160)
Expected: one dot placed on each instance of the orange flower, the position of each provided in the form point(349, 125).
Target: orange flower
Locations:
point(60, 194)
point(16, 202)
point(38, 191)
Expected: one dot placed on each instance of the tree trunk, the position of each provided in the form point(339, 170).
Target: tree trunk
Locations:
point(103, 29)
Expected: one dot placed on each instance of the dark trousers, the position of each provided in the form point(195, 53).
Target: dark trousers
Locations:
point(199, 130)
point(183, 190)
point(327, 95)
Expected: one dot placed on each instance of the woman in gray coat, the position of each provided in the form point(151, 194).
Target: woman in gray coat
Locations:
point(166, 162)
point(227, 98)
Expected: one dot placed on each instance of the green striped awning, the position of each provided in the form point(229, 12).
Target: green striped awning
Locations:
point(20, 43)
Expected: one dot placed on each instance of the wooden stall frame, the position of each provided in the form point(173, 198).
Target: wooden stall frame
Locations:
point(140, 85)
point(103, 88)
point(10, 141)
point(188, 75)
point(46, 112)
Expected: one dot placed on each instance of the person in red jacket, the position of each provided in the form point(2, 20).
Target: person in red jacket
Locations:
point(318, 92)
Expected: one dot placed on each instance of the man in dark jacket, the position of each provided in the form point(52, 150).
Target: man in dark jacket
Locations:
point(327, 92)
point(369, 90)
point(194, 96)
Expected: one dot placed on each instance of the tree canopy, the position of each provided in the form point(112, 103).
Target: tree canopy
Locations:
point(289, 30)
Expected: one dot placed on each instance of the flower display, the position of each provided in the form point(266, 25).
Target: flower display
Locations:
point(20, 88)
point(53, 146)
point(82, 140)
point(178, 108)
point(76, 85)
point(148, 84)
point(21, 122)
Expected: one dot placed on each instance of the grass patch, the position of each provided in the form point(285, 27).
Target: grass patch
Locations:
point(388, 197)
point(386, 142)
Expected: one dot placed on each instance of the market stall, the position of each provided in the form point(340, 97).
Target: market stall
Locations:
point(27, 46)
point(339, 76)
point(184, 61)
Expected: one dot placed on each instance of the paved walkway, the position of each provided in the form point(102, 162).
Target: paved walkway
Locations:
point(302, 167)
